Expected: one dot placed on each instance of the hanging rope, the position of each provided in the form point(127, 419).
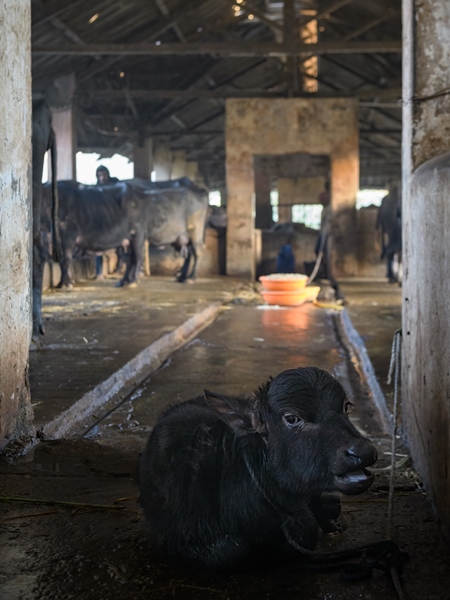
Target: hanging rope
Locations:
point(394, 370)
point(320, 254)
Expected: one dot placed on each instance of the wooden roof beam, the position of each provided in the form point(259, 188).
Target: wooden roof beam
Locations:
point(221, 49)
point(327, 10)
point(151, 35)
point(205, 94)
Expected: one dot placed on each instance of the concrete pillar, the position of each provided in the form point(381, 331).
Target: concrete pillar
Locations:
point(256, 126)
point(143, 158)
point(178, 164)
point(263, 186)
point(15, 219)
point(240, 214)
point(191, 171)
point(286, 198)
point(63, 123)
point(162, 160)
point(59, 97)
point(426, 250)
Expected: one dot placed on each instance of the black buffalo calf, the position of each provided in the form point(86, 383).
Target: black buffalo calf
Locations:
point(229, 482)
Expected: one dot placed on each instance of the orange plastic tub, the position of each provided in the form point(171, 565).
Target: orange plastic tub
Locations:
point(286, 283)
point(284, 298)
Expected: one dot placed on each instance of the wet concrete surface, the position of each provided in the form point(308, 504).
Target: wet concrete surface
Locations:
point(54, 551)
point(94, 329)
point(240, 351)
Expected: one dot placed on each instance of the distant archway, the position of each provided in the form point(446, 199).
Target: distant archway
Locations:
point(257, 126)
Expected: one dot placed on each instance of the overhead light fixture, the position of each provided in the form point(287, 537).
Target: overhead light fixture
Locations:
point(116, 129)
point(250, 17)
point(122, 74)
point(94, 18)
point(158, 43)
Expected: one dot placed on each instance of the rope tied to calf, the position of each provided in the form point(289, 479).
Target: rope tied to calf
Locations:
point(384, 555)
point(394, 370)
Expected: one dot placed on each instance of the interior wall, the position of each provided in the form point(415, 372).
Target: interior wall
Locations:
point(301, 190)
point(426, 251)
point(285, 126)
point(15, 219)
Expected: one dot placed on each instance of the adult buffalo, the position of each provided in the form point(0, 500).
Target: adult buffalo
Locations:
point(176, 213)
point(43, 139)
point(97, 219)
point(227, 482)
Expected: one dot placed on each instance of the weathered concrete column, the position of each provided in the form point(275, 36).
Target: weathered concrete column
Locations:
point(143, 158)
point(286, 199)
point(191, 171)
point(284, 212)
point(162, 160)
point(63, 123)
point(256, 126)
point(426, 248)
point(263, 186)
point(15, 220)
point(178, 164)
point(60, 99)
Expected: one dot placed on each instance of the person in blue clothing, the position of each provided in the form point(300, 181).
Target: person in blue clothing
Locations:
point(286, 259)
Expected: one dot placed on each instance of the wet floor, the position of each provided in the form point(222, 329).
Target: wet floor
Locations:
point(58, 552)
point(240, 351)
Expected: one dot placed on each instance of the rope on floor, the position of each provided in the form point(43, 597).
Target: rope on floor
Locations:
point(394, 370)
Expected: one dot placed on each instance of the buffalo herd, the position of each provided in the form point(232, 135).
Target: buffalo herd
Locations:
point(69, 216)
point(98, 218)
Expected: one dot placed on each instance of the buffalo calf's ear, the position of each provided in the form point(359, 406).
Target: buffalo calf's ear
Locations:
point(237, 413)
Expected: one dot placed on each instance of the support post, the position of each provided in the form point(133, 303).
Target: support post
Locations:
point(178, 164)
point(143, 158)
point(16, 414)
point(426, 253)
point(60, 99)
point(162, 159)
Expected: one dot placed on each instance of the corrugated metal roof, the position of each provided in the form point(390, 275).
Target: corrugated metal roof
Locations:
point(77, 23)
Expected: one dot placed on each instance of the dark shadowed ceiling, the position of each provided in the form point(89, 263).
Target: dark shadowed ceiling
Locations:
point(164, 68)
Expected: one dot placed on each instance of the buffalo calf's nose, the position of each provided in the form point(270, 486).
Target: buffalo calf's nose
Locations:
point(362, 453)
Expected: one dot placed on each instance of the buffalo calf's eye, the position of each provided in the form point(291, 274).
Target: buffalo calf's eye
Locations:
point(291, 420)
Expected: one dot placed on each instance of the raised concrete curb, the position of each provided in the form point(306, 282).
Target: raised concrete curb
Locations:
point(359, 349)
point(142, 365)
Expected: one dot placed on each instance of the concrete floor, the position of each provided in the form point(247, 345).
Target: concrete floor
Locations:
point(55, 551)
